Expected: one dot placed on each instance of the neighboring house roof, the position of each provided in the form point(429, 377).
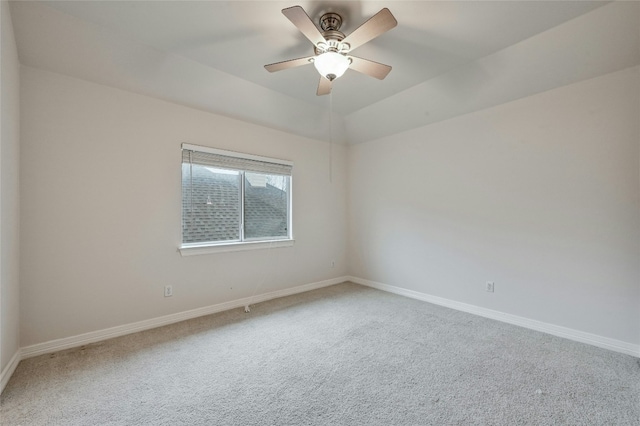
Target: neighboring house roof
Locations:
point(265, 211)
point(265, 207)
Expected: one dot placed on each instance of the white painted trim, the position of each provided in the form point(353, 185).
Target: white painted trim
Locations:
point(9, 369)
point(121, 330)
point(556, 330)
point(194, 249)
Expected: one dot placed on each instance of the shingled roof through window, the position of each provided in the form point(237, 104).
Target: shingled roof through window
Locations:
point(265, 207)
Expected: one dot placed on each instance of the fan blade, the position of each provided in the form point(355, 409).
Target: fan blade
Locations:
point(324, 87)
point(373, 69)
point(301, 20)
point(292, 63)
point(378, 24)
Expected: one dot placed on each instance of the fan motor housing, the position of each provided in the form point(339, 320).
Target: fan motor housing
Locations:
point(330, 24)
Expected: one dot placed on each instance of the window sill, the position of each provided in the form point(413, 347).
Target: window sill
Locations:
point(195, 249)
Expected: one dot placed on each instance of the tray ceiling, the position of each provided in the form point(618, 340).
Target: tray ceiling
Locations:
point(448, 58)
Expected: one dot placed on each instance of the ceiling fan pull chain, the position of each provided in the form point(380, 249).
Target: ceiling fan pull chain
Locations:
point(331, 137)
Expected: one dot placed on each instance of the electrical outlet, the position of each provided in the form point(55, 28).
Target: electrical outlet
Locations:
point(168, 291)
point(490, 286)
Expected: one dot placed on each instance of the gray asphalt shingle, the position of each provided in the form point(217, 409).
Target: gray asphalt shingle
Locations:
point(265, 207)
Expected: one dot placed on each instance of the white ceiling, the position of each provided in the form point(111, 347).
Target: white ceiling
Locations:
point(448, 57)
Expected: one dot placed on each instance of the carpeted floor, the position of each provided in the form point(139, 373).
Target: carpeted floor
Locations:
point(342, 355)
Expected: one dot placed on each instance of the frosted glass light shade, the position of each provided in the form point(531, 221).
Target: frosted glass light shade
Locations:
point(331, 65)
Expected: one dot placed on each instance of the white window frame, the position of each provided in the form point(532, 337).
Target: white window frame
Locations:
point(188, 249)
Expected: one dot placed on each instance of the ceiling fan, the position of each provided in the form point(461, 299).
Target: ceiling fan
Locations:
point(332, 49)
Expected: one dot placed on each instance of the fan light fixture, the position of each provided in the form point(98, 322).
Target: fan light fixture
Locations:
point(330, 46)
point(331, 65)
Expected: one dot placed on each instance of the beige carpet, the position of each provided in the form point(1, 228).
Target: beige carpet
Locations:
point(343, 355)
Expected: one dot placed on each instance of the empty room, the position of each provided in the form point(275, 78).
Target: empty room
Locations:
point(320, 213)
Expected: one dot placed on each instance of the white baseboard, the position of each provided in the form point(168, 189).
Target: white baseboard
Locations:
point(568, 333)
point(100, 335)
point(7, 372)
point(121, 330)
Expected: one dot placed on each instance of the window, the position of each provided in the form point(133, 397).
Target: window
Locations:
point(231, 199)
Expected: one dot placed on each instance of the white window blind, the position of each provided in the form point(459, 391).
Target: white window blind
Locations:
point(234, 161)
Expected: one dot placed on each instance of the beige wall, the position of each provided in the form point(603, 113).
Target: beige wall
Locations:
point(101, 209)
point(9, 199)
point(539, 195)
